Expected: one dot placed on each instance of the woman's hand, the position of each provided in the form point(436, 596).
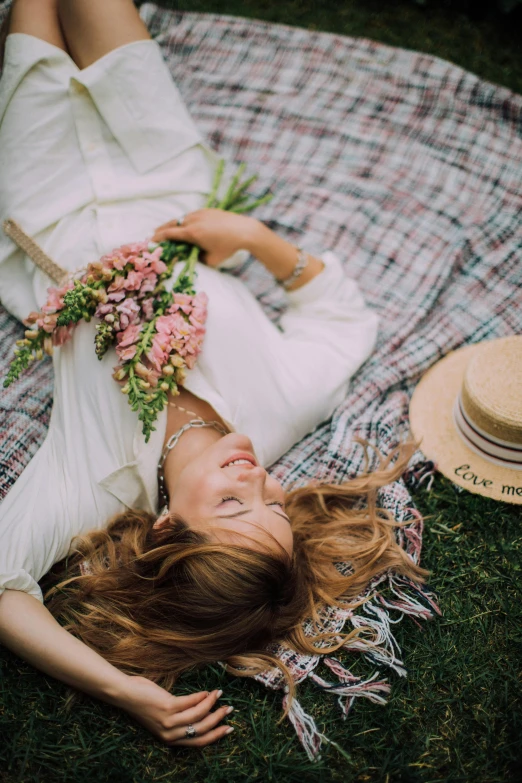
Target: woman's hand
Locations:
point(167, 716)
point(217, 232)
point(220, 234)
point(29, 629)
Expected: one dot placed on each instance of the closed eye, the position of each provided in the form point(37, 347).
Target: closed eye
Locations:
point(273, 503)
point(283, 515)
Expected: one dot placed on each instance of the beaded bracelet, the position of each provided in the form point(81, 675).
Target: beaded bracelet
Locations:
point(302, 261)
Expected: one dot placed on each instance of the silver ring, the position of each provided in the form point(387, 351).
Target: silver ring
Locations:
point(181, 220)
point(190, 732)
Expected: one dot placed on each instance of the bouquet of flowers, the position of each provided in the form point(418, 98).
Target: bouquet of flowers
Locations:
point(157, 333)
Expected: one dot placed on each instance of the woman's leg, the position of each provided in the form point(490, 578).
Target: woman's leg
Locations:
point(94, 27)
point(38, 18)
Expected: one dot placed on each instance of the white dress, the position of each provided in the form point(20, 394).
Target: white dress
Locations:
point(97, 166)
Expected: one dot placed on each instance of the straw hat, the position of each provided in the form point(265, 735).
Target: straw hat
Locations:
point(467, 414)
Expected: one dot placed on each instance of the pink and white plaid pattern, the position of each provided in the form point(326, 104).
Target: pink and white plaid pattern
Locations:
point(409, 168)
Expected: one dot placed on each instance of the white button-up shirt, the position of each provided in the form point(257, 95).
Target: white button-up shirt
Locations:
point(111, 152)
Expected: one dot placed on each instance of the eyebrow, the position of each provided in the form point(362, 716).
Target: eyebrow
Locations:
point(247, 511)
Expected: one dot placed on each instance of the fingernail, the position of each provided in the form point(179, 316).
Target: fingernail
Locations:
point(229, 730)
point(219, 694)
point(229, 710)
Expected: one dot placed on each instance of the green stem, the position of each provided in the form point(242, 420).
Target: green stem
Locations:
point(144, 342)
point(244, 185)
point(252, 205)
point(191, 263)
point(215, 184)
point(228, 198)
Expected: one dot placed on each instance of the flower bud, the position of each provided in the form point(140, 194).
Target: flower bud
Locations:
point(31, 334)
point(119, 374)
point(20, 342)
point(48, 346)
point(90, 280)
point(148, 398)
point(125, 389)
point(143, 384)
point(100, 295)
point(39, 353)
point(177, 361)
point(168, 370)
point(141, 370)
point(109, 318)
point(164, 386)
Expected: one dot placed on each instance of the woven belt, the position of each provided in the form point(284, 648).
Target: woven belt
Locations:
point(38, 256)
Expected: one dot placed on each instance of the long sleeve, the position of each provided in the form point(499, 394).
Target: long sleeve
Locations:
point(328, 333)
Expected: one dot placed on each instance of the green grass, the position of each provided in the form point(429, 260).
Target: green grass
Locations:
point(490, 47)
point(458, 716)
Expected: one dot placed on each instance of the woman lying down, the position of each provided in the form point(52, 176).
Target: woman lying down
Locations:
point(206, 558)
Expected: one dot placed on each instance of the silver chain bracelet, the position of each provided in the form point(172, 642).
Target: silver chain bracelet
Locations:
point(302, 262)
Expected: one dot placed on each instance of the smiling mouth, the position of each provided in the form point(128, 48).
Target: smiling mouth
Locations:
point(241, 458)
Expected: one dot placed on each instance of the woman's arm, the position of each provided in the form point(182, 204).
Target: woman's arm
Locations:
point(220, 234)
point(28, 629)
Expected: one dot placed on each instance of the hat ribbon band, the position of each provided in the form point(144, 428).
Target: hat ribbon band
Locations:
point(507, 456)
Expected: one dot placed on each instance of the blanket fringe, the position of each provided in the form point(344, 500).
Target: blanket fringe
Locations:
point(414, 603)
point(420, 473)
point(350, 686)
point(307, 732)
point(382, 649)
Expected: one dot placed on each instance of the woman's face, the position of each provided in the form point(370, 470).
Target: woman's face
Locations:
point(224, 491)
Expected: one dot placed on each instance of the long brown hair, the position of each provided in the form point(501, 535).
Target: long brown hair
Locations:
point(158, 601)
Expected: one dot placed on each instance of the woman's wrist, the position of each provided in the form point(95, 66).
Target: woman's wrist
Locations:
point(280, 257)
point(255, 237)
point(116, 690)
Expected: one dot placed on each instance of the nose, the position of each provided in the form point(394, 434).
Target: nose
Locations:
point(254, 475)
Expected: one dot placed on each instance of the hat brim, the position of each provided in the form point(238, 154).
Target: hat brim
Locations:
point(432, 424)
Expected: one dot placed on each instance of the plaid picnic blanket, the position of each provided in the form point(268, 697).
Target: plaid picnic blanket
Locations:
point(409, 169)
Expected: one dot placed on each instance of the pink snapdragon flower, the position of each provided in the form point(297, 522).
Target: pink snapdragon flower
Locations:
point(104, 309)
point(61, 334)
point(126, 354)
point(55, 297)
point(128, 312)
point(158, 355)
point(149, 283)
point(183, 302)
point(118, 284)
point(133, 280)
point(147, 308)
point(129, 336)
point(127, 339)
